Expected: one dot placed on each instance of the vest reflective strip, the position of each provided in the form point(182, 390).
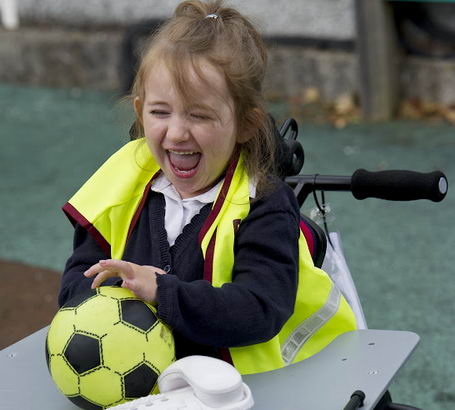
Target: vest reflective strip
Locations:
point(309, 326)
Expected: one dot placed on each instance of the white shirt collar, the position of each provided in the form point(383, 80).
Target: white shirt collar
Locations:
point(163, 185)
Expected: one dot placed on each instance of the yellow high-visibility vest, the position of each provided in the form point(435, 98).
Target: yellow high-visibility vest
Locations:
point(109, 204)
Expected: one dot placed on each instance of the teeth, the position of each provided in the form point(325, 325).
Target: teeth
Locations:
point(182, 152)
point(184, 171)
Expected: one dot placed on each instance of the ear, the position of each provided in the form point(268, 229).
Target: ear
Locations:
point(137, 104)
point(250, 124)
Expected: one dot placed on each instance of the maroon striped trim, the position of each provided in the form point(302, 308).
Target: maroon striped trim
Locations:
point(76, 217)
point(221, 197)
point(208, 261)
point(139, 209)
point(225, 355)
point(208, 275)
point(236, 223)
point(308, 234)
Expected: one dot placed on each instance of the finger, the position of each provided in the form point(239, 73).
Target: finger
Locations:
point(102, 276)
point(93, 270)
point(123, 267)
point(140, 291)
point(129, 284)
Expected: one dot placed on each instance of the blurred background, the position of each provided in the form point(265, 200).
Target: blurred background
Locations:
point(371, 84)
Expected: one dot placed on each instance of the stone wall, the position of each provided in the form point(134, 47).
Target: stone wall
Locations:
point(309, 18)
point(60, 57)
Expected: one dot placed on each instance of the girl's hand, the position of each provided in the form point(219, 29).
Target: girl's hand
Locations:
point(141, 280)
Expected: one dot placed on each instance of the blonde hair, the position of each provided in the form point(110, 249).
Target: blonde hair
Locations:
point(228, 40)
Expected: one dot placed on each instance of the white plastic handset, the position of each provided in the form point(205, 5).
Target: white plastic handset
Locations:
point(213, 381)
point(196, 383)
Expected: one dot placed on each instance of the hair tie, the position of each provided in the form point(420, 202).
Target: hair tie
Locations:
point(211, 16)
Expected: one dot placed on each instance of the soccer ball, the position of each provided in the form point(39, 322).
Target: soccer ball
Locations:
point(106, 346)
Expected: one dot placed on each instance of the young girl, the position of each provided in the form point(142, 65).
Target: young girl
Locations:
point(190, 216)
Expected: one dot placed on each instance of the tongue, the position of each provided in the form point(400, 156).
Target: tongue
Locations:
point(184, 162)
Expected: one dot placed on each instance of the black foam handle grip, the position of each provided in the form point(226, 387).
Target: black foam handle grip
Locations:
point(395, 185)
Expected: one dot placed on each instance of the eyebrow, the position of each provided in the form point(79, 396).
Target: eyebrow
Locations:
point(156, 103)
point(202, 107)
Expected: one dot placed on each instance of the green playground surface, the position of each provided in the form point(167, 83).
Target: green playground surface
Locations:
point(400, 254)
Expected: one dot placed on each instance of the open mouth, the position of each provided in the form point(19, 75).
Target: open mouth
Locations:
point(184, 163)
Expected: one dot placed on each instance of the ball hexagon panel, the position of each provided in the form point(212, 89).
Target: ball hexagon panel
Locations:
point(123, 348)
point(160, 347)
point(116, 292)
point(104, 384)
point(61, 330)
point(83, 353)
point(65, 377)
point(97, 315)
point(140, 381)
point(137, 314)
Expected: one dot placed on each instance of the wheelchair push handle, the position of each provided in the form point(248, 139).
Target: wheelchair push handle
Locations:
point(393, 185)
point(399, 185)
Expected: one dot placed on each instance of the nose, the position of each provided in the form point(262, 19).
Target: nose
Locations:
point(177, 130)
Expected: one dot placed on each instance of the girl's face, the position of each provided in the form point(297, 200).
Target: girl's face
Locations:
point(194, 144)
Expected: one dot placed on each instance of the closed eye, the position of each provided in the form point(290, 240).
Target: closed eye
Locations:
point(159, 113)
point(200, 116)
